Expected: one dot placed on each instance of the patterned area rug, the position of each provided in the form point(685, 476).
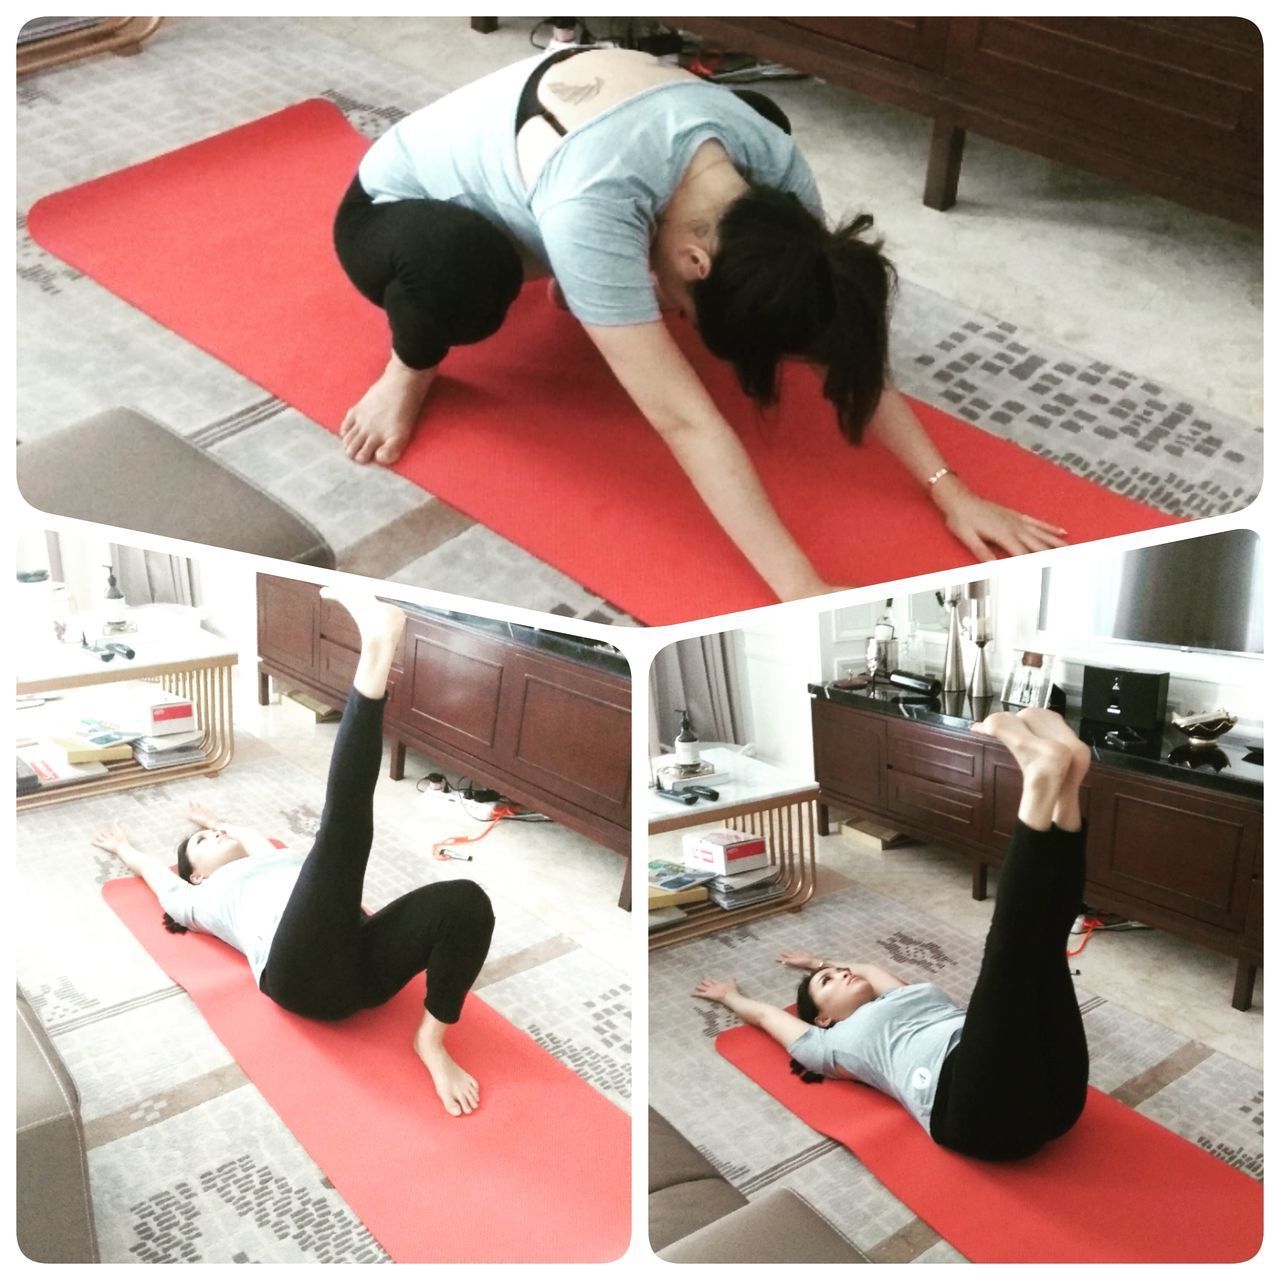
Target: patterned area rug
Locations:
point(187, 1162)
point(1207, 1097)
point(1112, 425)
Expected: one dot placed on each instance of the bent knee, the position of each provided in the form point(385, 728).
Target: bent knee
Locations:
point(468, 901)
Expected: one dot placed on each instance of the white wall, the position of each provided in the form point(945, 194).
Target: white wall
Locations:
point(229, 592)
point(775, 663)
point(1197, 681)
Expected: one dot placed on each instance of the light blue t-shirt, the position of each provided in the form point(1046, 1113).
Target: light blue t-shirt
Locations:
point(896, 1044)
point(241, 903)
point(591, 214)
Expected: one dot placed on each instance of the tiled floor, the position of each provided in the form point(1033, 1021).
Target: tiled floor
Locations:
point(1163, 1036)
point(187, 1161)
point(1117, 333)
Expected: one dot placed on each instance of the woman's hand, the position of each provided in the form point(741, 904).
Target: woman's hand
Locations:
point(112, 839)
point(983, 525)
point(200, 815)
point(800, 960)
point(711, 989)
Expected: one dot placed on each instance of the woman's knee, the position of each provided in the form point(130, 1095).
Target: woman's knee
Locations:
point(468, 904)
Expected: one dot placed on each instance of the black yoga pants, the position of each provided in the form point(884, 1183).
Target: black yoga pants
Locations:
point(1018, 1077)
point(329, 959)
point(444, 274)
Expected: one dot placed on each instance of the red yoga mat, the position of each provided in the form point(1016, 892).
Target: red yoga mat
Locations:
point(228, 243)
point(1117, 1188)
point(540, 1173)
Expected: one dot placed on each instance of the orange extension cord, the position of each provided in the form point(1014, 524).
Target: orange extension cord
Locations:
point(438, 850)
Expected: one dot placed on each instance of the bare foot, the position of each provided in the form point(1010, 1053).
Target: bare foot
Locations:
point(378, 428)
point(1049, 724)
point(458, 1090)
point(1045, 764)
point(380, 624)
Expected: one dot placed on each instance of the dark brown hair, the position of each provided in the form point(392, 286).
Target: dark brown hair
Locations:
point(782, 285)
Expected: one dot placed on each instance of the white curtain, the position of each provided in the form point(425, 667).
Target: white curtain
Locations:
point(154, 577)
point(701, 676)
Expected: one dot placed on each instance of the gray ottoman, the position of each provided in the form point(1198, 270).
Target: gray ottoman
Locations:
point(122, 468)
point(55, 1211)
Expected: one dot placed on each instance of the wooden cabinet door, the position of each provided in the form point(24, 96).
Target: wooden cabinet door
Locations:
point(1189, 851)
point(451, 687)
point(919, 41)
point(1002, 785)
point(1182, 90)
point(849, 753)
point(567, 730)
point(288, 634)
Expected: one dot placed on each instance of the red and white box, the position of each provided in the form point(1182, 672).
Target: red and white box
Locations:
point(150, 709)
point(724, 852)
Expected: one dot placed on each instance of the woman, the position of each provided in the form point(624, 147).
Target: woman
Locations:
point(1008, 1075)
point(298, 920)
point(639, 188)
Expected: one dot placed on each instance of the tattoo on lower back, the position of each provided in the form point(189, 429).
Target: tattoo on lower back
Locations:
point(575, 94)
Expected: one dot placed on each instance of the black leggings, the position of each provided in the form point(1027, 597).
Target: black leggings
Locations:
point(443, 273)
point(1019, 1075)
point(329, 959)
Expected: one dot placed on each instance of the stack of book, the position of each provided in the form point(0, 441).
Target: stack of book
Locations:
point(50, 766)
point(673, 887)
point(163, 751)
point(75, 738)
point(676, 776)
point(743, 888)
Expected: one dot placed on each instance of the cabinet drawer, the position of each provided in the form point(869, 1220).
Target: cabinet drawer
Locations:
point(337, 665)
point(943, 757)
point(337, 624)
point(934, 805)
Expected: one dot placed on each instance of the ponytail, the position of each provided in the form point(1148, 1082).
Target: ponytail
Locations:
point(782, 285)
point(854, 349)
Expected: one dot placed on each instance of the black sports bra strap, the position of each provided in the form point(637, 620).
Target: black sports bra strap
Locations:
point(529, 106)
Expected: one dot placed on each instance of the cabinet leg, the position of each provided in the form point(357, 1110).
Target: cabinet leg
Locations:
point(824, 819)
point(624, 898)
point(484, 25)
point(397, 760)
point(945, 154)
point(979, 881)
point(1242, 996)
point(264, 689)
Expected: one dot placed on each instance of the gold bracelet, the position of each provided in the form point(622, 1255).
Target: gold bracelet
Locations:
point(937, 475)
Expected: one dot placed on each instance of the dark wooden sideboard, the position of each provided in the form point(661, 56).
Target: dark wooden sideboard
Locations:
point(1169, 105)
point(1178, 855)
point(536, 716)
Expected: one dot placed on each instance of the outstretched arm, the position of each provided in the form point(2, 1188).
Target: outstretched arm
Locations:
point(253, 840)
point(979, 524)
point(881, 980)
point(157, 874)
point(782, 1026)
point(665, 388)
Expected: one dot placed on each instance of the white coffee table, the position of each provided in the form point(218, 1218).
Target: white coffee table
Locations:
point(760, 798)
point(189, 662)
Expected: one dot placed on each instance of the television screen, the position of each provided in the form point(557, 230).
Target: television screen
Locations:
point(1199, 593)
